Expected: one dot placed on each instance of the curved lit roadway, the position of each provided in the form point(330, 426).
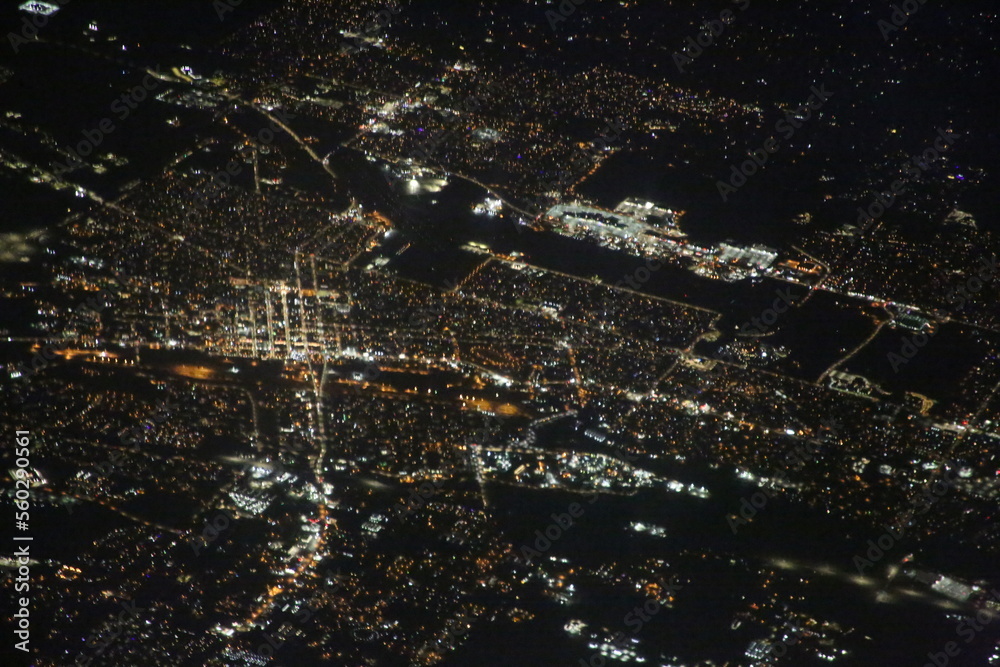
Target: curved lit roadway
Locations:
point(857, 348)
point(306, 147)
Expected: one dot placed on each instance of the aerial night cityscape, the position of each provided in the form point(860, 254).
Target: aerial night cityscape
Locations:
point(534, 333)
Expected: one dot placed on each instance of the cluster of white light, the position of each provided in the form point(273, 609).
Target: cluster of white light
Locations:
point(43, 8)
